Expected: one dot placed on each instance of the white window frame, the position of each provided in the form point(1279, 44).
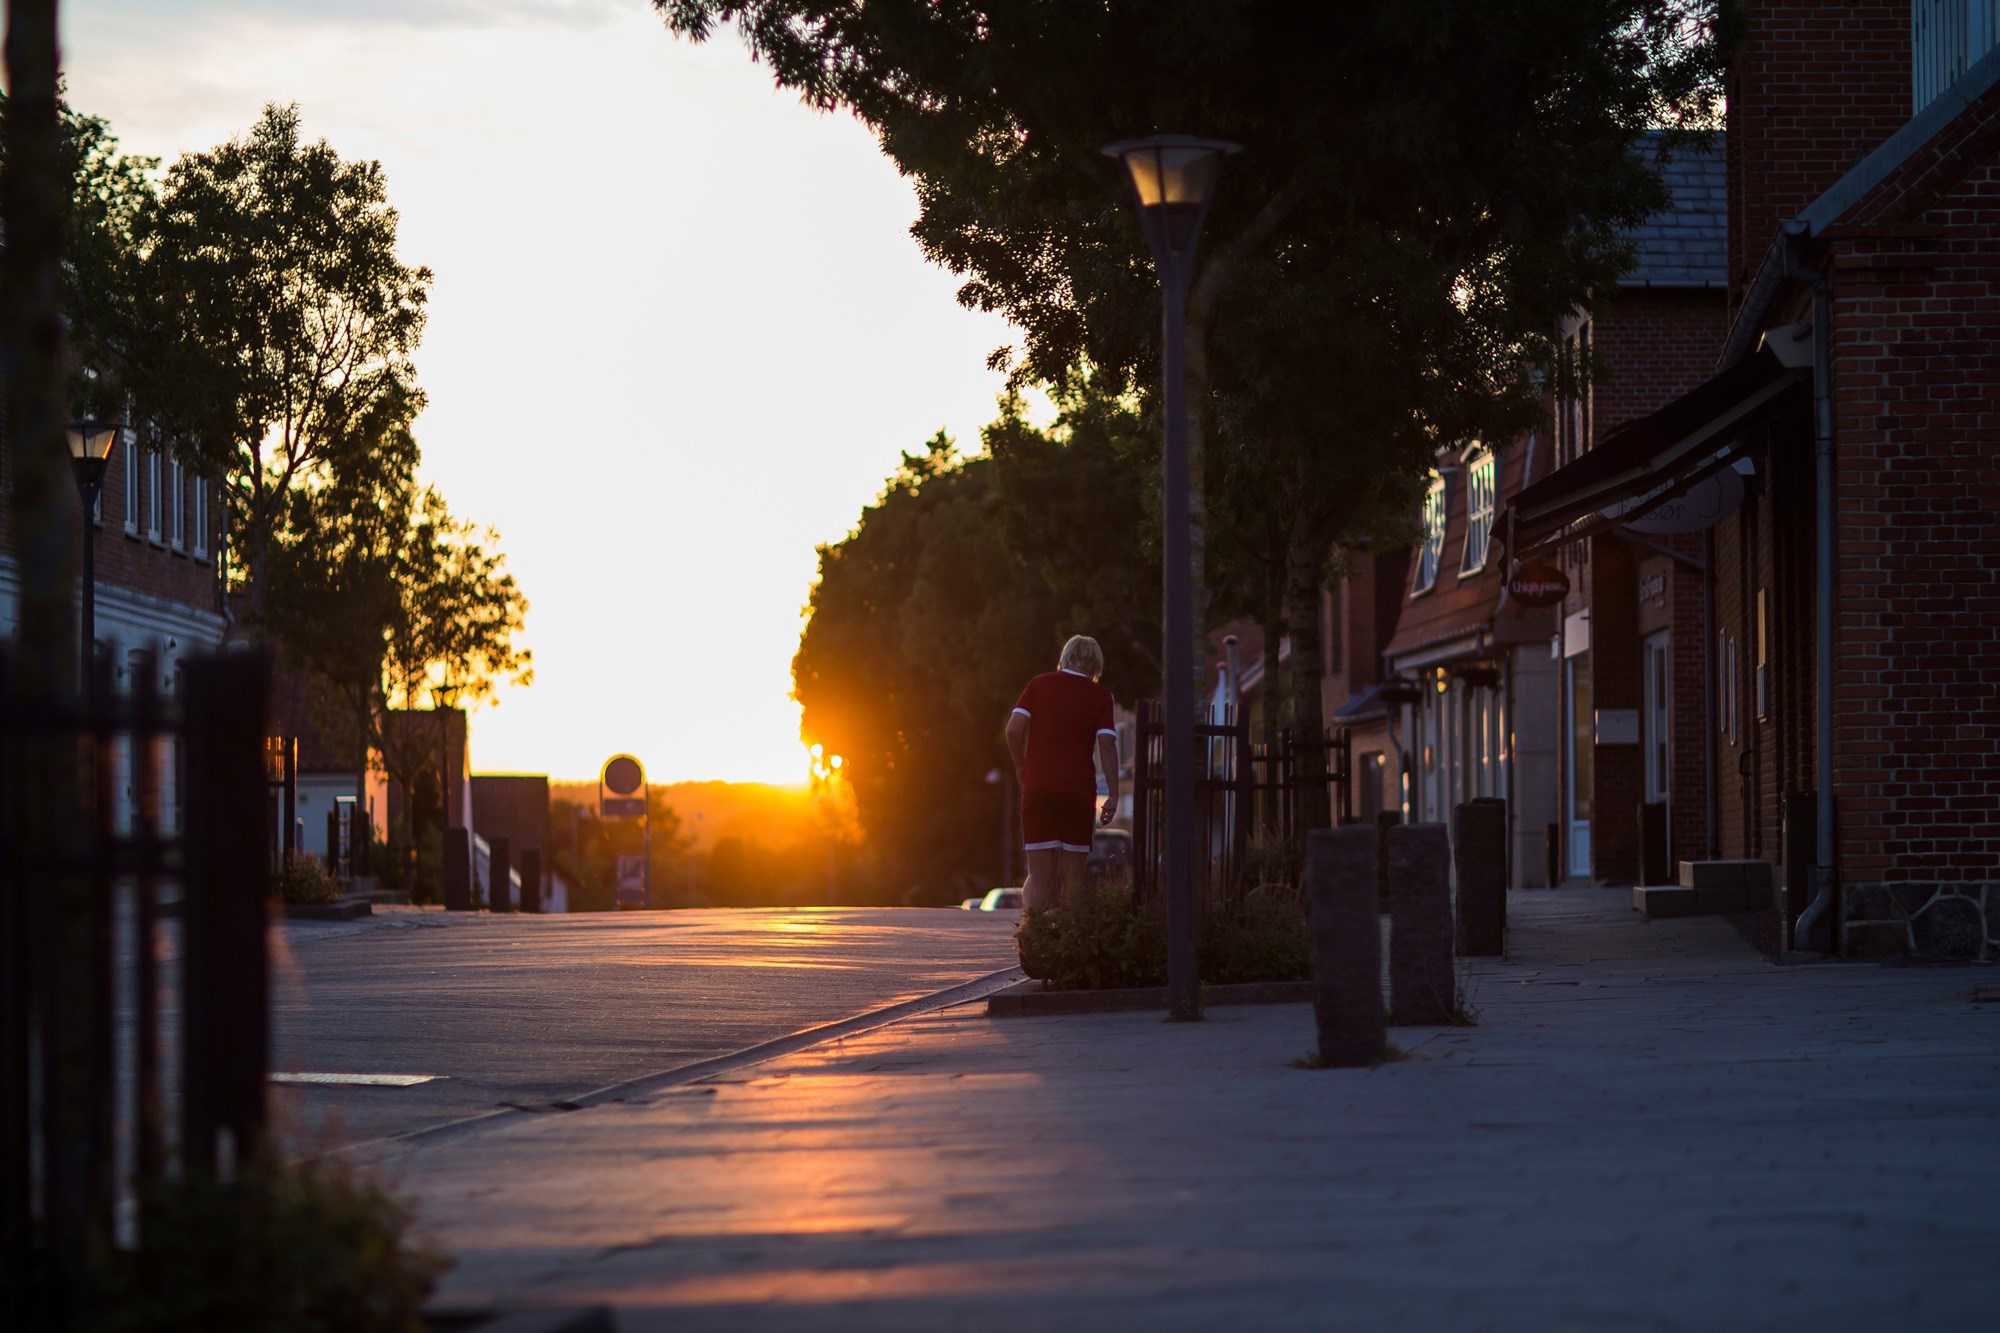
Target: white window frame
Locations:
point(131, 450)
point(200, 517)
point(1482, 475)
point(1430, 555)
point(177, 495)
point(153, 498)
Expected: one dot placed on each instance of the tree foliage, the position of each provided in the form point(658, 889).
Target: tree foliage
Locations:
point(276, 323)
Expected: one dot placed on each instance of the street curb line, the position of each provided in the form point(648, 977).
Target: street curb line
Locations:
point(1025, 1001)
point(699, 1071)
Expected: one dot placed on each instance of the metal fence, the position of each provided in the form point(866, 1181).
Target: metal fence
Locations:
point(135, 1028)
point(1243, 792)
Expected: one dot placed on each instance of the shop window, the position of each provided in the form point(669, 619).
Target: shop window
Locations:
point(1432, 552)
point(155, 509)
point(1480, 475)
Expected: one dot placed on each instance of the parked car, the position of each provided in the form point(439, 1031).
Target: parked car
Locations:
point(972, 904)
point(1110, 855)
point(1001, 900)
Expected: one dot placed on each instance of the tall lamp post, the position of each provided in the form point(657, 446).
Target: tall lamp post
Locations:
point(1173, 179)
point(90, 445)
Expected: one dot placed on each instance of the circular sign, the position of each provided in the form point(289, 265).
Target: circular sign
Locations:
point(1538, 583)
point(623, 776)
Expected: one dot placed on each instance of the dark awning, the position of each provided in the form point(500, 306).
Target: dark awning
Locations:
point(1651, 457)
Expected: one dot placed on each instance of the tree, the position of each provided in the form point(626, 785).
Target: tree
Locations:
point(275, 323)
point(1428, 186)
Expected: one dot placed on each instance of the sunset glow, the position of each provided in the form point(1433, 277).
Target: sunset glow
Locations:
point(652, 371)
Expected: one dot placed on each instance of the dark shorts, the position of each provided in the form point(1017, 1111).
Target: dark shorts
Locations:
point(1053, 821)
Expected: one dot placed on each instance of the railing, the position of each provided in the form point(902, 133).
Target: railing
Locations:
point(113, 1014)
point(1947, 37)
point(1241, 791)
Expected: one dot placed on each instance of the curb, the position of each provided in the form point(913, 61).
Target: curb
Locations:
point(340, 909)
point(699, 1071)
point(1027, 1000)
point(580, 1319)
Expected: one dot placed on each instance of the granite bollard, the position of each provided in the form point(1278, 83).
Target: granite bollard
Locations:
point(1340, 874)
point(1480, 843)
point(1423, 978)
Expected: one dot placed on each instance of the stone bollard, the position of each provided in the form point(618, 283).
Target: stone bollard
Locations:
point(1423, 980)
point(457, 868)
point(1385, 821)
point(1481, 847)
point(531, 879)
point(1340, 872)
point(500, 876)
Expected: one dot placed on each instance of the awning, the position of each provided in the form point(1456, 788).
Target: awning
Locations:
point(1646, 463)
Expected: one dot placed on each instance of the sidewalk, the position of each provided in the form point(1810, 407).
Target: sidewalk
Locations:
point(1651, 1128)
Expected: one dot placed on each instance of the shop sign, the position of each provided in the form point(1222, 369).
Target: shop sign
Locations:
point(1538, 583)
point(1703, 505)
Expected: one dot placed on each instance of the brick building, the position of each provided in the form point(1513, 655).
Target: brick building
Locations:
point(1843, 445)
point(157, 530)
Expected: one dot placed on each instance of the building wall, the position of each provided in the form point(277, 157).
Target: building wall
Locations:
point(1534, 726)
point(1917, 704)
point(514, 807)
point(1814, 86)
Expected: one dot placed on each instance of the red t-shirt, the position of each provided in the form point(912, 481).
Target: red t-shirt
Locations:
point(1066, 714)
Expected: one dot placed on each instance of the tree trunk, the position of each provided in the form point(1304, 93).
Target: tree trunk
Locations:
point(48, 931)
point(1305, 580)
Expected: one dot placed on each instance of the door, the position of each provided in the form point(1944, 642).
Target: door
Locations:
point(1657, 734)
point(1582, 767)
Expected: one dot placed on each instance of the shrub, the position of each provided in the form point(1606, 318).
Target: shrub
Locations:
point(305, 1247)
point(1099, 940)
point(305, 879)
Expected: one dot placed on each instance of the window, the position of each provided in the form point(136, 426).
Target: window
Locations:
point(1947, 37)
point(201, 518)
point(1480, 475)
point(130, 448)
point(177, 498)
point(1432, 550)
point(154, 506)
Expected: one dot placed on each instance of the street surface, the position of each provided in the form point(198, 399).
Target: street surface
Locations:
point(532, 1010)
point(1650, 1128)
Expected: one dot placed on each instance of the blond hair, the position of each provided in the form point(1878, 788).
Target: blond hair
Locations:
point(1081, 654)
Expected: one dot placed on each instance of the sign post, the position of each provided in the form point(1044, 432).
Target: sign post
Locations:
point(622, 793)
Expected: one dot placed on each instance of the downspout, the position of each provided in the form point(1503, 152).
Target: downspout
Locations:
point(1825, 877)
point(1712, 791)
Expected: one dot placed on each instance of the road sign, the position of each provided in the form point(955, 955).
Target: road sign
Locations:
point(631, 869)
point(623, 775)
point(622, 807)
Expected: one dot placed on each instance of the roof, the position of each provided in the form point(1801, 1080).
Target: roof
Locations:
point(1687, 243)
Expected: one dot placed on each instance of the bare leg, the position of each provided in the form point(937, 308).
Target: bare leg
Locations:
point(1073, 867)
point(1044, 887)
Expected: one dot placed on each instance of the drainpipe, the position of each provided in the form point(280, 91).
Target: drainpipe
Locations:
point(1824, 876)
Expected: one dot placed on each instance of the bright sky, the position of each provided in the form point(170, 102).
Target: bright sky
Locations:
point(679, 332)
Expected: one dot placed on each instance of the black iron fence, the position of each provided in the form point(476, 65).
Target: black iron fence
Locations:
point(1244, 794)
point(135, 1028)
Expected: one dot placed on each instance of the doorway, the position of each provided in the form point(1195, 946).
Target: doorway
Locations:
point(1582, 729)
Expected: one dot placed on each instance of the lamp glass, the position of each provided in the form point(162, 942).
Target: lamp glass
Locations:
point(1171, 170)
point(92, 439)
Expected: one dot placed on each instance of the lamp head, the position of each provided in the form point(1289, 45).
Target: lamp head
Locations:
point(93, 440)
point(1173, 178)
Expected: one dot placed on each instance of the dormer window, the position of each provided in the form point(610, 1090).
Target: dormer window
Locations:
point(1481, 473)
point(1431, 554)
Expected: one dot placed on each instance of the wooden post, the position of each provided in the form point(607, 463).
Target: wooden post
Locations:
point(1423, 986)
point(1341, 866)
point(457, 870)
point(500, 874)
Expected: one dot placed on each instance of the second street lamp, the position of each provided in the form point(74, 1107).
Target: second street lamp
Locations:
point(90, 445)
point(1173, 179)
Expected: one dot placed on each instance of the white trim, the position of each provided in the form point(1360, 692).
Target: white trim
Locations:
point(153, 505)
point(1482, 465)
point(200, 517)
point(177, 497)
point(131, 461)
point(1022, 712)
point(1108, 731)
point(1067, 672)
point(1057, 846)
point(1430, 550)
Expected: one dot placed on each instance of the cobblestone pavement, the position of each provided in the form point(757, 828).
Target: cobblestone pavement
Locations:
point(1650, 1128)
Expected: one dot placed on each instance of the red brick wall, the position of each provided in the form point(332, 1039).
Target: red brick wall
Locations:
point(153, 568)
point(1815, 85)
point(1917, 381)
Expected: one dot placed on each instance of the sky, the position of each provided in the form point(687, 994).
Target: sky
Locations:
point(679, 332)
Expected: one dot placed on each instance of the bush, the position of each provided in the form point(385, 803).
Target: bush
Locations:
point(302, 1248)
point(305, 879)
point(1101, 941)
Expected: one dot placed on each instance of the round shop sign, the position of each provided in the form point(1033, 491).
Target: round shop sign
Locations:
point(623, 776)
point(1538, 583)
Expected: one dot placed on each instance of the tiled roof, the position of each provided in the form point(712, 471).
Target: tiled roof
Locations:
point(1686, 245)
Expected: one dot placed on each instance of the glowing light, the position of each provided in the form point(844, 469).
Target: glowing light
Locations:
point(836, 761)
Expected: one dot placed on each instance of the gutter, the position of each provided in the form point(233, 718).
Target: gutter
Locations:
point(1825, 875)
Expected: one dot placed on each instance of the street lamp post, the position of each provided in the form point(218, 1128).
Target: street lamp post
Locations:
point(1173, 180)
point(90, 445)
